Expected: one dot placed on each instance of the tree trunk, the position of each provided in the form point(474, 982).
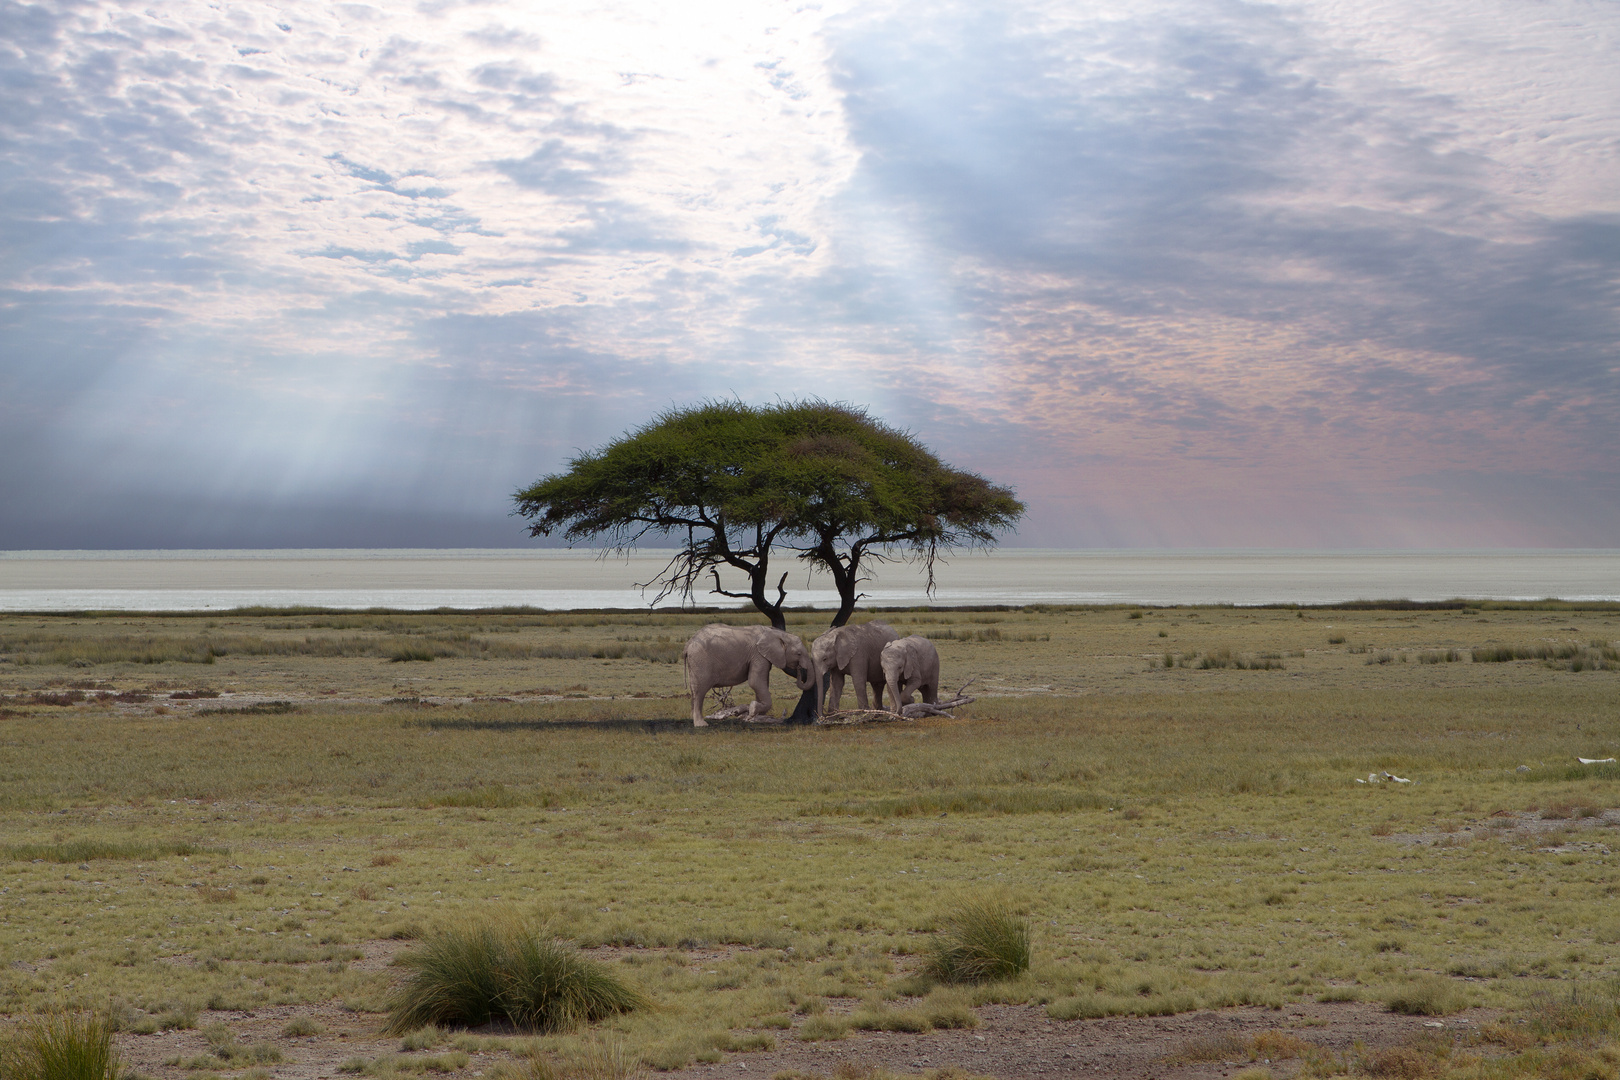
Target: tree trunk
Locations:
point(771, 611)
point(844, 579)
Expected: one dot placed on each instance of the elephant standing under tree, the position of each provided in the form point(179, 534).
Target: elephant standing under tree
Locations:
point(721, 655)
point(911, 664)
point(856, 652)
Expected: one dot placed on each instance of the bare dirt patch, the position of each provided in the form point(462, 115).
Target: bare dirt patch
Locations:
point(1013, 1042)
point(1017, 1042)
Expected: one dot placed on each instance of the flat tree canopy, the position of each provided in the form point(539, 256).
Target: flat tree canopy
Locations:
point(825, 482)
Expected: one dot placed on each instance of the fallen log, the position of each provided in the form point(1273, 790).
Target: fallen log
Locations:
point(740, 712)
point(914, 711)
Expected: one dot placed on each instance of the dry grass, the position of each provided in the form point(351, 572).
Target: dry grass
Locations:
point(1180, 838)
point(61, 1046)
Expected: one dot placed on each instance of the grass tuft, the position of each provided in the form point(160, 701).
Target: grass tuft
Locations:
point(1432, 996)
point(609, 1059)
point(61, 1046)
point(501, 969)
point(980, 940)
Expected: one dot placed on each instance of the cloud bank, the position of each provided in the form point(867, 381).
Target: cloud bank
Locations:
point(1308, 274)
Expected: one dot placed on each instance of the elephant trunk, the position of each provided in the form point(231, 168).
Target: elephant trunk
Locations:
point(812, 685)
point(808, 676)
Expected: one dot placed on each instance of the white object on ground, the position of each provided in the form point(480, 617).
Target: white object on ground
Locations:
point(1595, 760)
point(1397, 779)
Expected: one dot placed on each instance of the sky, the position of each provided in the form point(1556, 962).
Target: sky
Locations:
point(1184, 274)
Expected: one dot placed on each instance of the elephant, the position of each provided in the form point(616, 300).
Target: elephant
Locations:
point(721, 655)
point(911, 663)
point(853, 651)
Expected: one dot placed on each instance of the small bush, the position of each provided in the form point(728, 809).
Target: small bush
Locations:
point(822, 1027)
point(979, 941)
point(61, 1046)
point(303, 1025)
point(1432, 996)
point(407, 653)
point(948, 1010)
point(471, 975)
point(890, 1020)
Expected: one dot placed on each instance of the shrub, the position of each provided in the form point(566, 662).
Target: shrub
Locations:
point(1432, 996)
point(303, 1025)
point(880, 1019)
point(471, 975)
point(822, 1027)
point(980, 940)
point(61, 1046)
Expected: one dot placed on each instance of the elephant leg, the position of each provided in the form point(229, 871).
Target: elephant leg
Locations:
point(759, 681)
point(930, 693)
point(698, 694)
point(835, 691)
point(858, 677)
point(877, 693)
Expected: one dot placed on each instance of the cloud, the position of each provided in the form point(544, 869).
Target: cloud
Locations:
point(1184, 273)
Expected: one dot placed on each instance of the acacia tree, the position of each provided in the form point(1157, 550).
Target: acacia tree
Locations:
point(825, 483)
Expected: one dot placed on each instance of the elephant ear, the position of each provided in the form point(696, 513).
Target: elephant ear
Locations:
point(913, 668)
point(773, 646)
point(844, 647)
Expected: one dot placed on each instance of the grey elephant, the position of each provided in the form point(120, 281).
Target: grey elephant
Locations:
point(911, 663)
point(855, 652)
point(721, 655)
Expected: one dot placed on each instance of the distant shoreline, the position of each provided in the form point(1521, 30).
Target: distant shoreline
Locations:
point(579, 580)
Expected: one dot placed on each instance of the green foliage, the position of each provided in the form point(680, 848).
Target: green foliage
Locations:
point(504, 970)
point(980, 940)
point(826, 481)
point(61, 1046)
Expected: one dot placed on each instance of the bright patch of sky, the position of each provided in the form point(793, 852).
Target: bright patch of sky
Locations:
point(1304, 274)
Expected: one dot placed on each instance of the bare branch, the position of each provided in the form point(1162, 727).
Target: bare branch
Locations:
point(722, 592)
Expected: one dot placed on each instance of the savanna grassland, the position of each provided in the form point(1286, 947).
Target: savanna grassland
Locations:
point(212, 816)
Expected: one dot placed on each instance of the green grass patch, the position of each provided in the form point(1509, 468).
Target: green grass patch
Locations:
point(80, 851)
point(502, 970)
point(993, 801)
point(494, 796)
